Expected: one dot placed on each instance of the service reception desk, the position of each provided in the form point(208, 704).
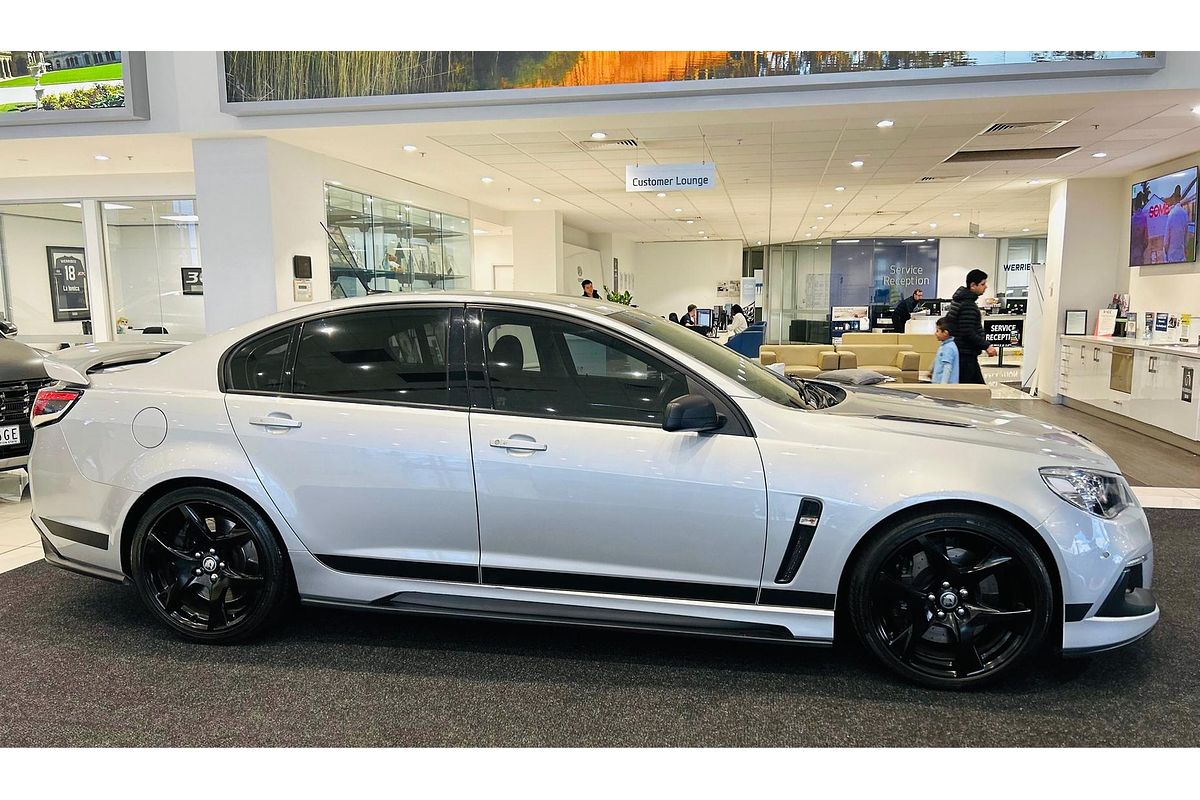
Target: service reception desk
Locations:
point(1148, 387)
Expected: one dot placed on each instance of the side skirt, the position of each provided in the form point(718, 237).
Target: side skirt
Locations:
point(544, 613)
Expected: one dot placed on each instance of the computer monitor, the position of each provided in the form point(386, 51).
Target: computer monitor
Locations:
point(704, 317)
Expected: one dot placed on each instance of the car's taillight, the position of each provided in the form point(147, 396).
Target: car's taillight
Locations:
point(51, 405)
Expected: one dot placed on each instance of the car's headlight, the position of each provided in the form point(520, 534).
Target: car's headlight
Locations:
point(1100, 493)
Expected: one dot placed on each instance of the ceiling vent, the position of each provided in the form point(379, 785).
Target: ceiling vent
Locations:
point(609, 144)
point(1009, 128)
point(1019, 154)
point(942, 179)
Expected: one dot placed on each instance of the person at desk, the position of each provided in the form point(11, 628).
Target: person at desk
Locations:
point(589, 290)
point(904, 310)
point(737, 320)
point(690, 319)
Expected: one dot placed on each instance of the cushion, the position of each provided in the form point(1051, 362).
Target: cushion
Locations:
point(854, 377)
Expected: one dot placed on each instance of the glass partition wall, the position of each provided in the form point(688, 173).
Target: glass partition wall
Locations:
point(43, 273)
point(393, 246)
point(797, 292)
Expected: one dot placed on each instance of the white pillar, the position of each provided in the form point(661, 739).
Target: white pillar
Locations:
point(537, 251)
point(260, 203)
point(96, 257)
point(1085, 260)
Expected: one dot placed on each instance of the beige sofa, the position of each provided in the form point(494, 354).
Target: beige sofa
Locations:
point(894, 360)
point(800, 360)
point(924, 345)
point(975, 393)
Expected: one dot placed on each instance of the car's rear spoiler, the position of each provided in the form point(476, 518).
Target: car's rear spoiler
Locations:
point(75, 364)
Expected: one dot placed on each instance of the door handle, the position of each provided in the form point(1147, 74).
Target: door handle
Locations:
point(275, 422)
point(516, 444)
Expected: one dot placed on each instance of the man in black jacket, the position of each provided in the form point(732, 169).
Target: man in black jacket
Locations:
point(904, 311)
point(966, 326)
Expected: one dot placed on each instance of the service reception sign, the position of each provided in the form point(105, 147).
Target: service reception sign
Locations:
point(68, 284)
point(1004, 332)
point(670, 177)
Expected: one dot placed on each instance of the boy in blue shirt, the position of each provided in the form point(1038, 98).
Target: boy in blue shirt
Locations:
point(945, 363)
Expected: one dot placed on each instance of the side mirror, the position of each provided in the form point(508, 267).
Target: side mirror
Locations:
point(692, 412)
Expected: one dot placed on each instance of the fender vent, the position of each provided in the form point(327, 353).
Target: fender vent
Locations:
point(807, 519)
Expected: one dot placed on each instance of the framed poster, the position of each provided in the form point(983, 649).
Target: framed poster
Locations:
point(1076, 324)
point(193, 280)
point(68, 283)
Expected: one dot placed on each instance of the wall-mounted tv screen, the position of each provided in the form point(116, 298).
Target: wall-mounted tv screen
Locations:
point(1163, 225)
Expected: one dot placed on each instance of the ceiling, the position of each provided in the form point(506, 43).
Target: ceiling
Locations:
point(778, 168)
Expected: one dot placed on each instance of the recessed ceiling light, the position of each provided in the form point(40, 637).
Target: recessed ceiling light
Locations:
point(956, 214)
point(856, 163)
point(914, 231)
point(819, 219)
point(808, 235)
point(537, 199)
point(116, 207)
point(599, 135)
point(662, 194)
point(1024, 230)
point(486, 179)
point(690, 221)
point(73, 205)
point(705, 237)
point(812, 227)
point(701, 233)
point(982, 235)
point(679, 211)
point(933, 224)
point(100, 157)
point(884, 123)
point(847, 241)
point(759, 241)
point(334, 183)
point(180, 218)
point(912, 241)
point(839, 188)
point(479, 232)
point(1099, 155)
point(1196, 109)
point(410, 148)
point(829, 205)
point(1033, 182)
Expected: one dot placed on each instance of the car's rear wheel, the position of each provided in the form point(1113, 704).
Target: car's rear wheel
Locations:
point(951, 600)
point(207, 563)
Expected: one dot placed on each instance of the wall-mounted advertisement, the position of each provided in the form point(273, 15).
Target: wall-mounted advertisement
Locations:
point(258, 76)
point(68, 283)
point(40, 86)
point(881, 271)
point(1162, 226)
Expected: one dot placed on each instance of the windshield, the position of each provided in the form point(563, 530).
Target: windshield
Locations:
point(730, 363)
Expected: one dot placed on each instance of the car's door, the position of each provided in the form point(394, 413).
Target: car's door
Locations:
point(356, 422)
point(578, 485)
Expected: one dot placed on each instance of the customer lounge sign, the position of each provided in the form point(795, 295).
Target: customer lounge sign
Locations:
point(670, 177)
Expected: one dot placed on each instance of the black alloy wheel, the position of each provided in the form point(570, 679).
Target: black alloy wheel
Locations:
point(951, 600)
point(208, 564)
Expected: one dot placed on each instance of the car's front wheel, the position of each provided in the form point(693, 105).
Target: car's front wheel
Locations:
point(207, 563)
point(951, 600)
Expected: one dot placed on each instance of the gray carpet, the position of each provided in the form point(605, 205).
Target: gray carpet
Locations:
point(82, 664)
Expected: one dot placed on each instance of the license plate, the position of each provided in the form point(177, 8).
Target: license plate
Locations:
point(10, 434)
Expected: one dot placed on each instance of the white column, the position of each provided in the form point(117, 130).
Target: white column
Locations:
point(96, 258)
point(1086, 257)
point(260, 203)
point(537, 251)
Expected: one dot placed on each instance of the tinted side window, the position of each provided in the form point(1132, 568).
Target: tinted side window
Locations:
point(381, 354)
point(541, 365)
point(257, 365)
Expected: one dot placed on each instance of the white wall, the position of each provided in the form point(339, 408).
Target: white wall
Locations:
point(25, 242)
point(671, 275)
point(580, 263)
point(489, 251)
point(1174, 289)
point(537, 250)
point(957, 257)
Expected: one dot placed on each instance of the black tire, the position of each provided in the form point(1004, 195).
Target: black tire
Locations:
point(207, 564)
point(989, 584)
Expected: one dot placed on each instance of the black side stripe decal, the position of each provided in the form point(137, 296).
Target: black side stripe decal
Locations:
point(577, 582)
point(394, 568)
point(785, 597)
point(81, 535)
point(808, 516)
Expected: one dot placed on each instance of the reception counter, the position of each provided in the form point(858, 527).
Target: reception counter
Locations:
point(1147, 386)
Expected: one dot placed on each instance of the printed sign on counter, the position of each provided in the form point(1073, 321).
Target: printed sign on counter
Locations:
point(1004, 332)
point(1189, 374)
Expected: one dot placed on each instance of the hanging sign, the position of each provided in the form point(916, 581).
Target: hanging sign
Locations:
point(670, 177)
point(68, 284)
